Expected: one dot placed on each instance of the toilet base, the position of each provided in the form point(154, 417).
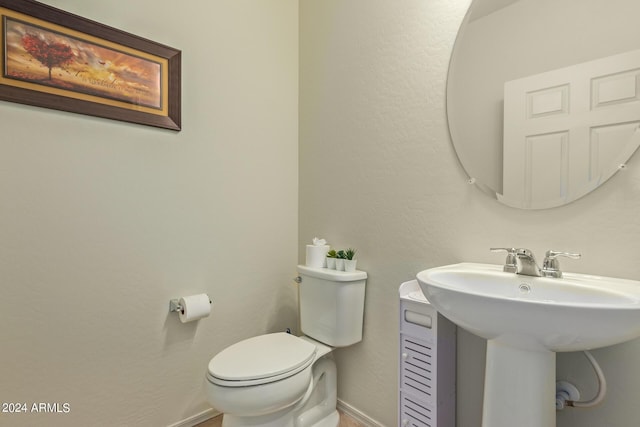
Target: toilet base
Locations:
point(286, 420)
point(331, 420)
point(279, 419)
point(317, 408)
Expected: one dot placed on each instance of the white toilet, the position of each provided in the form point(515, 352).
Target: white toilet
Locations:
point(280, 380)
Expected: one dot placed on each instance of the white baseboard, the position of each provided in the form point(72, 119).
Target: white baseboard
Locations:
point(197, 418)
point(357, 415)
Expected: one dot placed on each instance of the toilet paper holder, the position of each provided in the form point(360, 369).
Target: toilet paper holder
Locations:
point(174, 306)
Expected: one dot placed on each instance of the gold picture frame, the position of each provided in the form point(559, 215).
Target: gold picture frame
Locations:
point(54, 59)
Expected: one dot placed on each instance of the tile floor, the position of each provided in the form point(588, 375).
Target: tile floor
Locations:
point(345, 421)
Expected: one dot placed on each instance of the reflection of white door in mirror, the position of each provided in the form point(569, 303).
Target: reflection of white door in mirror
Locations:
point(505, 40)
point(567, 130)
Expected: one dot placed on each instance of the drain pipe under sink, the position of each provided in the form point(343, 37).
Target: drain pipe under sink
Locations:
point(564, 396)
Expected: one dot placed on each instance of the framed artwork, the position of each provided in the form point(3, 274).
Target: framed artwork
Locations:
point(54, 59)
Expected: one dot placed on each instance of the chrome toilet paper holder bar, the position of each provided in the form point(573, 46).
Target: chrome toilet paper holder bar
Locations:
point(174, 306)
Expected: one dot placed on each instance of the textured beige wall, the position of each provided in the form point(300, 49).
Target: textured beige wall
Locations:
point(103, 222)
point(377, 172)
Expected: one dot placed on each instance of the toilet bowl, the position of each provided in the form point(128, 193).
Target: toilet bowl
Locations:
point(269, 379)
point(280, 380)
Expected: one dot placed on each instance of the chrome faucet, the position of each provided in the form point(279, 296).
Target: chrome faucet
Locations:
point(522, 261)
point(527, 263)
point(510, 264)
point(551, 266)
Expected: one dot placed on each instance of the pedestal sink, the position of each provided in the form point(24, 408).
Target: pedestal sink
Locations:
point(526, 320)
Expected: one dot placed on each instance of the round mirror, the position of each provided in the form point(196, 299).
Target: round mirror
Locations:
point(543, 96)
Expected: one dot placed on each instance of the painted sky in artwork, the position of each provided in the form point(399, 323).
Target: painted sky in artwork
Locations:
point(94, 70)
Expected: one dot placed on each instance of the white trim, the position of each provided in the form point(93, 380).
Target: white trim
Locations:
point(197, 418)
point(357, 415)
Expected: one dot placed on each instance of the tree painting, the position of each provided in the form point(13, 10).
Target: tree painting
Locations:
point(50, 55)
point(39, 56)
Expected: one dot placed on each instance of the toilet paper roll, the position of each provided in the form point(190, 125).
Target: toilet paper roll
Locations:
point(316, 255)
point(194, 307)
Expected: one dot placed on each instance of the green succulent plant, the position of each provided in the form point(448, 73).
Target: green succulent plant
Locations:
point(350, 253)
point(341, 254)
point(332, 253)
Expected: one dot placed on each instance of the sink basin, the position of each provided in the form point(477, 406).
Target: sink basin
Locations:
point(526, 320)
point(576, 312)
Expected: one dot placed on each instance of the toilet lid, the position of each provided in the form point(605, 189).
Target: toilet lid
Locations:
point(262, 357)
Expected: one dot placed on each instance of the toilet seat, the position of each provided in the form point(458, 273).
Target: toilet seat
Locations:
point(261, 360)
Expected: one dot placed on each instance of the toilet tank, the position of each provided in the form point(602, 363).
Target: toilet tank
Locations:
point(332, 305)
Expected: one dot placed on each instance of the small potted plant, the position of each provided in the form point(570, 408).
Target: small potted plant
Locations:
point(331, 259)
point(350, 261)
point(340, 257)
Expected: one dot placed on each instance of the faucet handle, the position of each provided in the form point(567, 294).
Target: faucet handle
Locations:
point(554, 254)
point(508, 250)
point(551, 266)
point(510, 264)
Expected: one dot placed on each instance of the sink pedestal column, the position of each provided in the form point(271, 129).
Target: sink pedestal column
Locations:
point(519, 387)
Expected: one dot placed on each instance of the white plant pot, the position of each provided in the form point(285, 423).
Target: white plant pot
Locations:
point(339, 264)
point(331, 263)
point(350, 264)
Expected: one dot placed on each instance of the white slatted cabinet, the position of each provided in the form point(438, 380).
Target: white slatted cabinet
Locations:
point(427, 368)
